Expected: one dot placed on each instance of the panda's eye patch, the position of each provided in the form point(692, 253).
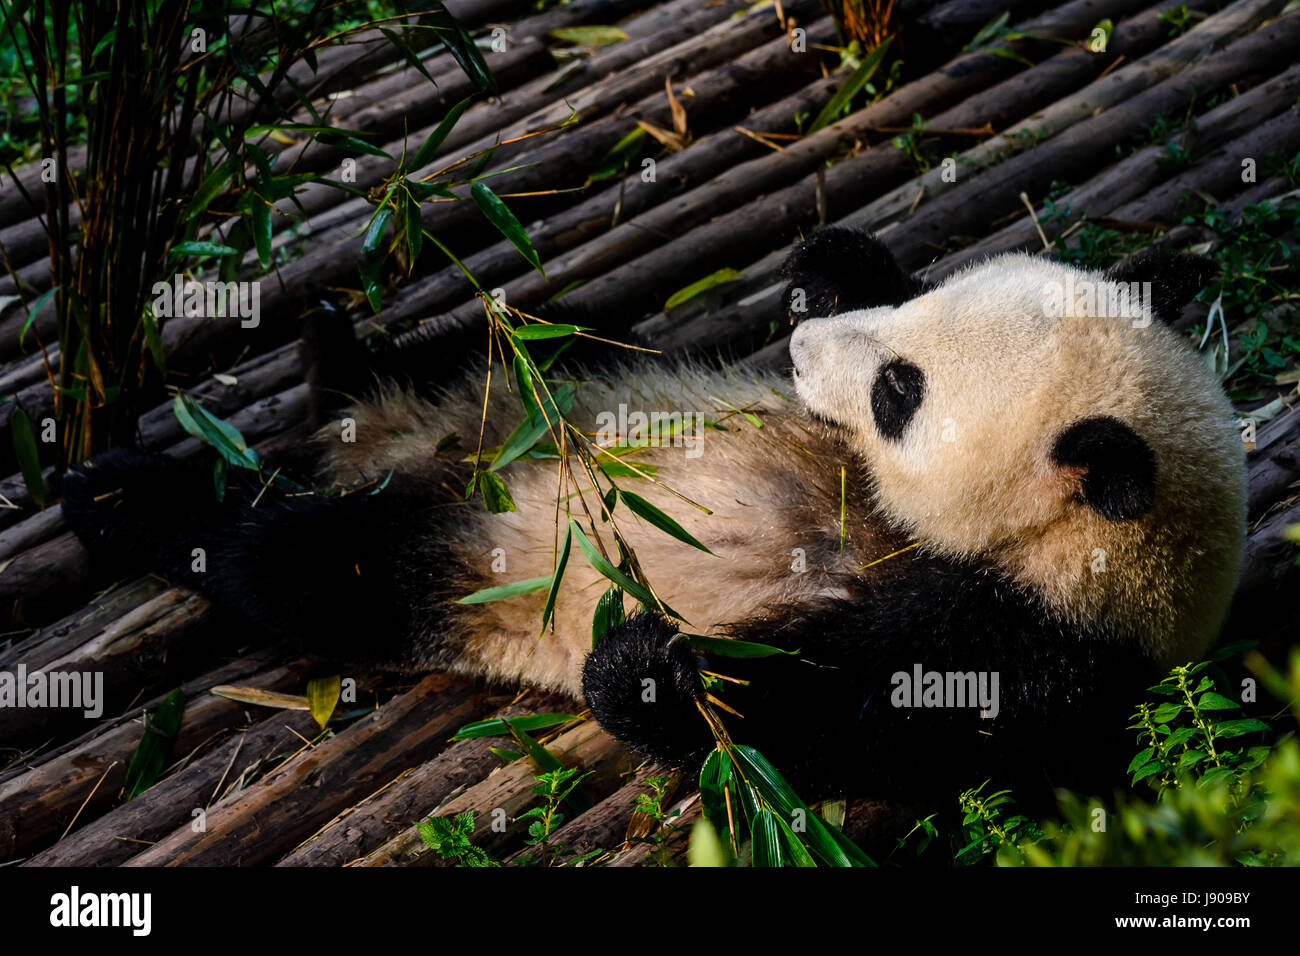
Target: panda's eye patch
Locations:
point(895, 396)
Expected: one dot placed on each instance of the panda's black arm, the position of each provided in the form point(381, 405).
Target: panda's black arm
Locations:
point(826, 716)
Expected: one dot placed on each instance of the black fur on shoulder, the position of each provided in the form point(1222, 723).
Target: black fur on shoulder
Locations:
point(827, 716)
point(1175, 278)
point(838, 270)
point(333, 573)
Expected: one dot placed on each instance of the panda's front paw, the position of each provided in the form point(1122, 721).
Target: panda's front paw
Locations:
point(841, 269)
point(642, 683)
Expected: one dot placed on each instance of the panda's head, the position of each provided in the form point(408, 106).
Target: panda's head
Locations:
point(1041, 419)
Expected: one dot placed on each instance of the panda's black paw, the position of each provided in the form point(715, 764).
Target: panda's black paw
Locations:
point(642, 682)
point(120, 502)
point(839, 269)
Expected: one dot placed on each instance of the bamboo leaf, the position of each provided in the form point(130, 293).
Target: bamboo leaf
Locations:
point(323, 696)
point(560, 563)
point(261, 215)
point(502, 592)
point(726, 647)
point(375, 231)
point(539, 331)
point(609, 613)
point(430, 147)
point(663, 522)
point(29, 458)
point(35, 311)
point(461, 46)
point(497, 727)
point(798, 852)
point(721, 277)
point(852, 86)
point(407, 53)
point(614, 574)
point(155, 744)
point(414, 229)
point(198, 248)
point(589, 35)
point(207, 428)
point(826, 843)
point(261, 698)
point(209, 189)
point(531, 430)
point(766, 839)
point(618, 156)
point(500, 216)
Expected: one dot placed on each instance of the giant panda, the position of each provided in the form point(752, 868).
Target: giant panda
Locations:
point(991, 475)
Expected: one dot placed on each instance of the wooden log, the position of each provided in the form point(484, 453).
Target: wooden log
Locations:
point(1114, 192)
point(60, 638)
point(37, 804)
point(736, 188)
point(37, 529)
point(628, 70)
point(941, 31)
point(45, 582)
point(509, 789)
point(1071, 153)
point(564, 161)
point(593, 217)
point(275, 814)
point(1264, 608)
point(146, 649)
point(1081, 139)
point(1274, 463)
point(957, 80)
point(1220, 174)
point(388, 111)
point(170, 804)
point(724, 150)
point(16, 502)
point(783, 213)
point(399, 804)
point(400, 101)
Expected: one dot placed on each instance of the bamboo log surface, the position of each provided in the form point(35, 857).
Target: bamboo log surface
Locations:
point(251, 785)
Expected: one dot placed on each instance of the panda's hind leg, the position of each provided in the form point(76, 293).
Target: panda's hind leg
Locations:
point(327, 571)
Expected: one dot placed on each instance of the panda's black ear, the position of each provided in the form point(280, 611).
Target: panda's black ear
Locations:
point(838, 270)
point(1174, 278)
point(1118, 468)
